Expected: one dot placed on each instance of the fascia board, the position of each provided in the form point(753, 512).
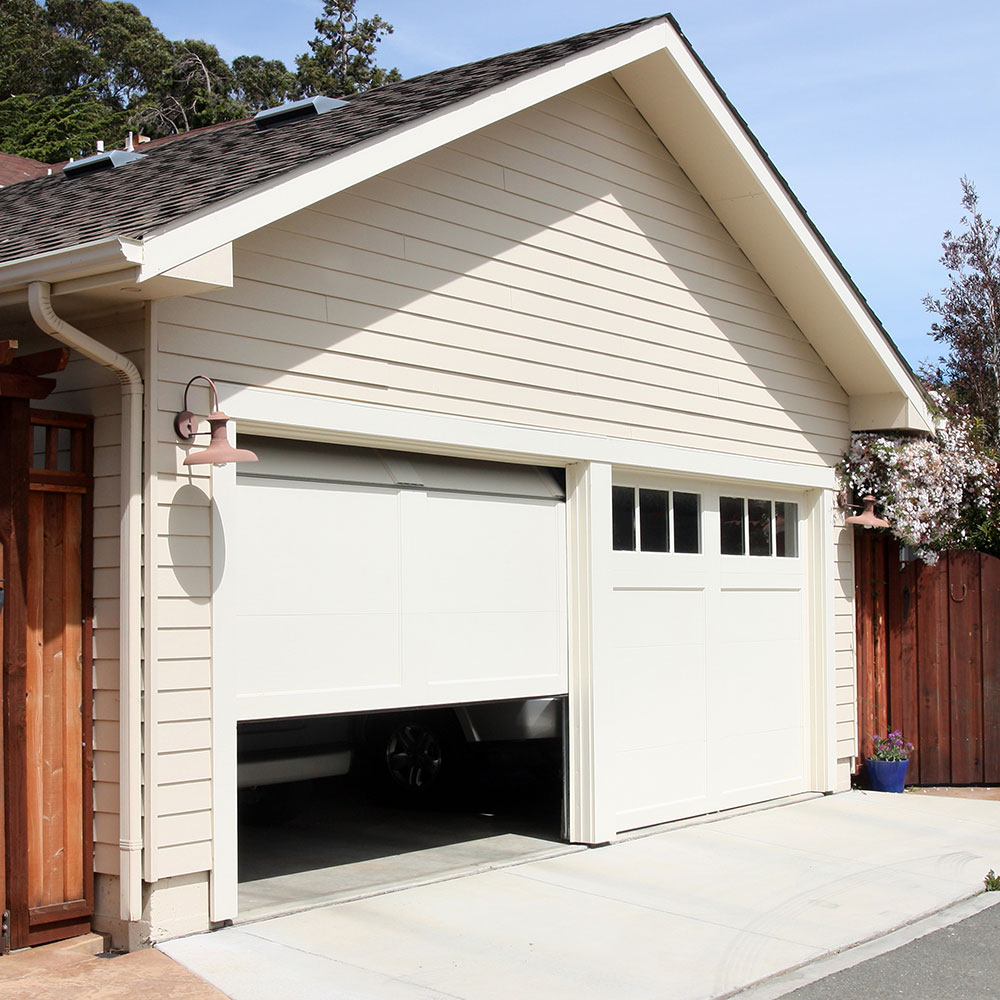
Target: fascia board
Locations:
point(266, 203)
point(725, 163)
point(80, 261)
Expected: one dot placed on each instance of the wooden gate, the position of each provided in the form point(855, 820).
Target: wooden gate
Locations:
point(46, 802)
point(928, 649)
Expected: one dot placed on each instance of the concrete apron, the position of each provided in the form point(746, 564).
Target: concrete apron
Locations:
point(693, 912)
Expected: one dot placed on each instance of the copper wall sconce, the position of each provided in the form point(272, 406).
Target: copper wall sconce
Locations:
point(868, 518)
point(219, 450)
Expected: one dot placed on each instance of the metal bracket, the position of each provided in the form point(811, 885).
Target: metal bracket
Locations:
point(5, 933)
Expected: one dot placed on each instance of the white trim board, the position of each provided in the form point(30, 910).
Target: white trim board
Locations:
point(282, 414)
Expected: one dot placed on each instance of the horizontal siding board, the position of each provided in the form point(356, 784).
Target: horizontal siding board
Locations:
point(183, 798)
point(183, 828)
point(184, 643)
point(173, 736)
point(184, 859)
point(182, 612)
point(183, 675)
point(187, 765)
point(184, 704)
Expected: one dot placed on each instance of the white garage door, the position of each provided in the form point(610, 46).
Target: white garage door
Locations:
point(368, 580)
point(708, 648)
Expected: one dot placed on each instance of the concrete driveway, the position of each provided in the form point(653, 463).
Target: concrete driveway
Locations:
point(691, 912)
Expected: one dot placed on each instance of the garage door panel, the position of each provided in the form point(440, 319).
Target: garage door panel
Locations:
point(661, 617)
point(472, 553)
point(744, 765)
point(346, 596)
point(672, 709)
point(757, 685)
point(293, 543)
point(761, 615)
point(485, 648)
point(655, 786)
point(315, 653)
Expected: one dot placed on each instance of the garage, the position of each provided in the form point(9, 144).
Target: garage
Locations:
point(708, 630)
point(394, 607)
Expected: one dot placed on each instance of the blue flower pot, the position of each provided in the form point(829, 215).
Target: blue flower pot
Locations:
point(886, 775)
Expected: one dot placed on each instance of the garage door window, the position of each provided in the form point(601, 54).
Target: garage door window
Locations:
point(758, 527)
point(655, 520)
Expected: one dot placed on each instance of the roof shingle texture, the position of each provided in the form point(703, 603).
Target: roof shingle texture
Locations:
point(197, 170)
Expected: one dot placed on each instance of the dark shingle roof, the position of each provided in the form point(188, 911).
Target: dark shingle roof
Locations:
point(200, 169)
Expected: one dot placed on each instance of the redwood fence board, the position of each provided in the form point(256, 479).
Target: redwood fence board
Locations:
point(928, 650)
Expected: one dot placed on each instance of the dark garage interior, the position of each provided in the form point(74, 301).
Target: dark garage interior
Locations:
point(395, 798)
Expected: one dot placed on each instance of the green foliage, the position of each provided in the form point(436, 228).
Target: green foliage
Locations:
point(25, 38)
point(263, 83)
point(52, 129)
point(76, 71)
point(992, 881)
point(341, 56)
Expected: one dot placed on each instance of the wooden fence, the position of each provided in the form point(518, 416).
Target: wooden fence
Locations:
point(928, 653)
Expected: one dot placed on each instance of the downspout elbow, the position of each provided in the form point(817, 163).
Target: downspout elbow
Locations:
point(40, 305)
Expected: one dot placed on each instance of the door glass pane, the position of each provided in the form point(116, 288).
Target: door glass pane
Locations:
point(731, 525)
point(760, 527)
point(653, 531)
point(686, 534)
point(786, 533)
point(623, 518)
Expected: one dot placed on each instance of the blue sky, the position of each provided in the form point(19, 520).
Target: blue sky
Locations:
point(872, 109)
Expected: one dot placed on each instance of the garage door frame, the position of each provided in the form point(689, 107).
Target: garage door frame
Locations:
point(588, 460)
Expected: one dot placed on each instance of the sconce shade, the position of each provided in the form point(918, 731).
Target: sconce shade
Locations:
point(868, 518)
point(219, 450)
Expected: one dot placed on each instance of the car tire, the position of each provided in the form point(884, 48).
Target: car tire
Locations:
point(414, 757)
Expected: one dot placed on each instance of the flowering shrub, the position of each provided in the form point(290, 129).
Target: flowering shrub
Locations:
point(937, 493)
point(891, 747)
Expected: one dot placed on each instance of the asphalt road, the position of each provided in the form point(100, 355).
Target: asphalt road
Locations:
point(960, 962)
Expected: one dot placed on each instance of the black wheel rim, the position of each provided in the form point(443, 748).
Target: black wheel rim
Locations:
point(414, 757)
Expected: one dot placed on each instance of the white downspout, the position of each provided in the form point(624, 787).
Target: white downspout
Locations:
point(130, 635)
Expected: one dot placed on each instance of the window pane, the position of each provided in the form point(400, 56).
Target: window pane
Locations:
point(731, 525)
point(786, 529)
point(760, 527)
point(653, 532)
point(623, 518)
point(686, 535)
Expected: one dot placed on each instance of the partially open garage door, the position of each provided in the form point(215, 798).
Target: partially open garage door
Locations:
point(708, 608)
point(365, 580)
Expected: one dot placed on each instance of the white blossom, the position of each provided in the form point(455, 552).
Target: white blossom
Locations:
point(929, 488)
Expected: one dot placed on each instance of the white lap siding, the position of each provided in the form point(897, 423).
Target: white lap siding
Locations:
point(557, 269)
